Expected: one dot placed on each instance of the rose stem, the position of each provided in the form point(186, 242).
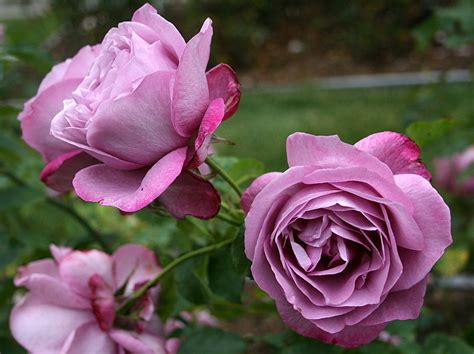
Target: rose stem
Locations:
point(220, 171)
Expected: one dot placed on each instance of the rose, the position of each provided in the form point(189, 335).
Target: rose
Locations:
point(145, 113)
point(63, 160)
point(344, 239)
point(449, 172)
point(70, 306)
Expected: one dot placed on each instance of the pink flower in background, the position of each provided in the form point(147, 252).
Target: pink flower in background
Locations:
point(142, 116)
point(71, 307)
point(344, 239)
point(450, 170)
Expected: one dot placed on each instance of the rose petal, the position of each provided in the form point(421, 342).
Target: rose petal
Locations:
point(33, 322)
point(143, 343)
point(78, 267)
point(129, 191)
point(223, 83)
point(257, 185)
point(330, 152)
point(59, 173)
point(89, 338)
point(433, 217)
point(134, 264)
point(189, 194)
point(191, 93)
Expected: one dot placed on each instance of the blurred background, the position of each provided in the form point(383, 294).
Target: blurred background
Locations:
point(323, 67)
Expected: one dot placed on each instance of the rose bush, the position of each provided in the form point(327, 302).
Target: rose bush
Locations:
point(71, 305)
point(449, 172)
point(344, 239)
point(131, 118)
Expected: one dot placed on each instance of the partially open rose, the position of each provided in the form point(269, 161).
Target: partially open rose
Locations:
point(143, 116)
point(71, 304)
point(344, 239)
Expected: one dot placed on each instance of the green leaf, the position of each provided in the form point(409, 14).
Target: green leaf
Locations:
point(245, 170)
point(237, 252)
point(224, 280)
point(425, 132)
point(17, 196)
point(310, 346)
point(208, 340)
point(190, 281)
point(440, 343)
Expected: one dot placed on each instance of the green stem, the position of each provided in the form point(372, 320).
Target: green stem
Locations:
point(228, 220)
point(68, 210)
point(128, 303)
point(220, 171)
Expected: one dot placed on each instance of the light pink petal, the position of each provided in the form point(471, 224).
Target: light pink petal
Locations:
point(191, 195)
point(211, 121)
point(137, 128)
point(143, 343)
point(90, 339)
point(59, 173)
point(78, 267)
point(59, 252)
point(134, 264)
point(399, 152)
point(257, 185)
point(44, 328)
point(37, 116)
point(43, 281)
point(433, 217)
point(223, 83)
point(330, 152)
point(349, 337)
point(399, 305)
point(168, 34)
point(74, 68)
point(129, 191)
point(191, 93)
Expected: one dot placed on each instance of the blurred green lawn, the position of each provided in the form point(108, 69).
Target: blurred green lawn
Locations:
point(266, 117)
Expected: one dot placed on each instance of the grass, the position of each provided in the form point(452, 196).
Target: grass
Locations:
point(266, 117)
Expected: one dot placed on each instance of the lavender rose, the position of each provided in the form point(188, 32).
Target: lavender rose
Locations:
point(71, 304)
point(143, 115)
point(344, 239)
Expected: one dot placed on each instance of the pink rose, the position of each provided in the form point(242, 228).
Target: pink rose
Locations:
point(344, 239)
point(145, 113)
point(63, 160)
point(71, 305)
point(449, 172)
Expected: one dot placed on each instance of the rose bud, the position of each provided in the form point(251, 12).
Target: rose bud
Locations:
point(144, 113)
point(344, 239)
point(71, 304)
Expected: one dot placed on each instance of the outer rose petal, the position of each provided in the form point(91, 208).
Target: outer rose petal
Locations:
point(134, 264)
point(129, 191)
point(78, 267)
point(90, 339)
point(33, 324)
point(59, 173)
point(223, 83)
point(38, 114)
point(434, 219)
point(349, 337)
point(143, 343)
point(399, 152)
point(166, 31)
point(210, 122)
point(330, 152)
point(191, 93)
point(257, 185)
point(42, 279)
point(137, 128)
point(191, 195)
